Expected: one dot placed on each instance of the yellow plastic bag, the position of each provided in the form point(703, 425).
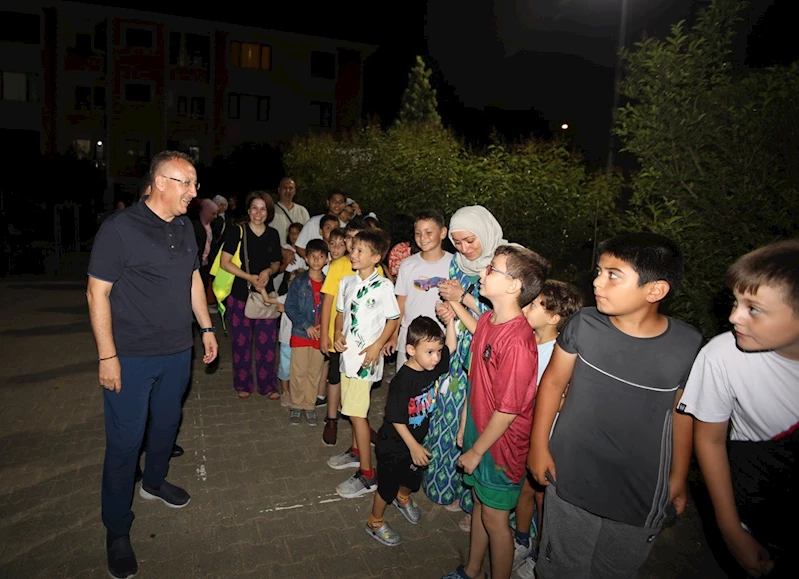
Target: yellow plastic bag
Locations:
point(223, 281)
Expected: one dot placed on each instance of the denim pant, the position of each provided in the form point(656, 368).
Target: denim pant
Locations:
point(151, 386)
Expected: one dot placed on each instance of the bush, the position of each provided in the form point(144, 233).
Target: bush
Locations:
point(717, 148)
point(543, 195)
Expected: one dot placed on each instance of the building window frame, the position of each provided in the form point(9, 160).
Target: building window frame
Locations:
point(31, 86)
point(260, 55)
point(139, 27)
point(325, 114)
point(148, 84)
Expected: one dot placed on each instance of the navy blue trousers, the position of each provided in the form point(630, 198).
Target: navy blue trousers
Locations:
point(151, 387)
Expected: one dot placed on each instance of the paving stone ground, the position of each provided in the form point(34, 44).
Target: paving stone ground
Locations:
point(263, 501)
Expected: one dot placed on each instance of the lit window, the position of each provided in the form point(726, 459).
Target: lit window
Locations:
point(250, 55)
point(82, 148)
point(235, 53)
point(266, 57)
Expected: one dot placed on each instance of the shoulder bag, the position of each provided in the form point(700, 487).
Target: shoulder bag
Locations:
point(256, 308)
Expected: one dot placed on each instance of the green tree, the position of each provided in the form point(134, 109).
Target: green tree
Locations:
point(419, 104)
point(716, 144)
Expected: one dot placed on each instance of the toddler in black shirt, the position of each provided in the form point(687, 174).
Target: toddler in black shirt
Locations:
point(411, 397)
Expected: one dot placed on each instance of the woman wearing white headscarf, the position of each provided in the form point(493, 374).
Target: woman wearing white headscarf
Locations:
point(476, 234)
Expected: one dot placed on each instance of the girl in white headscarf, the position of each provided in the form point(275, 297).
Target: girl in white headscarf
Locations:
point(476, 234)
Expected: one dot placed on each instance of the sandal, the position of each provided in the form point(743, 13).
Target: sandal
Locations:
point(465, 524)
point(273, 396)
point(244, 394)
point(453, 507)
point(459, 573)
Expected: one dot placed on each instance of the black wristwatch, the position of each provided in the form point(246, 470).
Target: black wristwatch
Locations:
point(211, 329)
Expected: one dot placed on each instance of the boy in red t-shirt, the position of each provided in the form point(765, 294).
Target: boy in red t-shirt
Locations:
point(303, 306)
point(495, 426)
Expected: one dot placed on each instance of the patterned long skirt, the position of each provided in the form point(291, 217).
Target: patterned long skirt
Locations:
point(443, 482)
point(243, 331)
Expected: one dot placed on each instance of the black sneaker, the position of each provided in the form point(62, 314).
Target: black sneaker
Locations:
point(321, 401)
point(121, 558)
point(169, 494)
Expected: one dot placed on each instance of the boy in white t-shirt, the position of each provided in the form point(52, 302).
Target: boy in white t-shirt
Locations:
point(366, 317)
point(419, 275)
point(750, 377)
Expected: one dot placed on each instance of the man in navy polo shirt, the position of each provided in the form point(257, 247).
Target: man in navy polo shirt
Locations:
point(144, 284)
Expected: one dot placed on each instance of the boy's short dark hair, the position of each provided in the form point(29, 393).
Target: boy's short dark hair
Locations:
point(430, 215)
point(377, 240)
point(526, 266)
point(316, 246)
point(424, 329)
point(561, 298)
point(338, 233)
point(775, 265)
point(357, 223)
point(652, 256)
point(294, 225)
point(333, 192)
point(326, 218)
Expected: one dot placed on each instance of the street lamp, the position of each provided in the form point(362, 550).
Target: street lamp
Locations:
point(622, 43)
point(565, 126)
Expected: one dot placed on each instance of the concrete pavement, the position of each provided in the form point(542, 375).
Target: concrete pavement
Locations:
point(263, 501)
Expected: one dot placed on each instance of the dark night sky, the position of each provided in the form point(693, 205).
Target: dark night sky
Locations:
point(551, 58)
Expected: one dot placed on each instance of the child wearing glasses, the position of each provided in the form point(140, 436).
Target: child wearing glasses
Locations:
point(494, 432)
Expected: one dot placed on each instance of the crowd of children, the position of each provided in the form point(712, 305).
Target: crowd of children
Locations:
point(511, 397)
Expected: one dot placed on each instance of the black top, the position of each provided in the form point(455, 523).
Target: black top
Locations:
point(612, 441)
point(264, 251)
point(150, 262)
point(411, 398)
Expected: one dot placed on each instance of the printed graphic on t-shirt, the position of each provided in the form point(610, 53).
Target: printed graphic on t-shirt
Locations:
point(427, 283)
point(419, 407)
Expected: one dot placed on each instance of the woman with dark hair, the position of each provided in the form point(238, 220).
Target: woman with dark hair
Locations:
point(263, 256)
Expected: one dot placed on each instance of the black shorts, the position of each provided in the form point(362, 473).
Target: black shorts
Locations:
point(334, 371)
point(394, 472)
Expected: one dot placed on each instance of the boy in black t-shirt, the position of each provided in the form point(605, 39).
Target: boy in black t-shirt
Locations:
point(399, 450)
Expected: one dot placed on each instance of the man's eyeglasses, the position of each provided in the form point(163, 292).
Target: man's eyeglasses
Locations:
point(188, 184)
point(491, 269)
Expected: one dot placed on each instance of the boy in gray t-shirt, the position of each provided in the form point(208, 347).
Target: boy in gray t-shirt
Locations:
point(621, 451)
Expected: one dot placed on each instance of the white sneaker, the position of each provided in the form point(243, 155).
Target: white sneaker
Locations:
point(520, 552)
point(526, 570)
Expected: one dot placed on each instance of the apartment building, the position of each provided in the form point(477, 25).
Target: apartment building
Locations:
point(116, 85)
